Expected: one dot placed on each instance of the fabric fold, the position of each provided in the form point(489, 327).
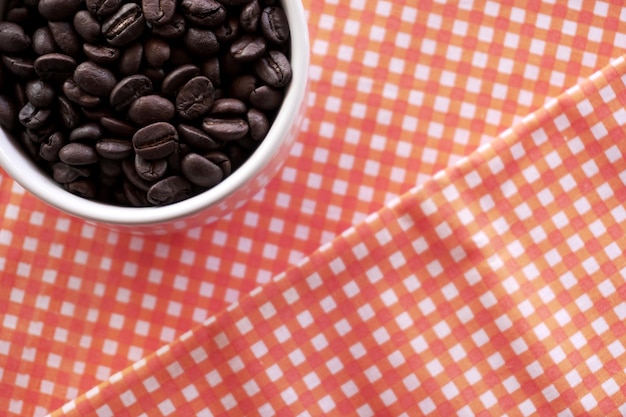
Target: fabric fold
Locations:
point(496, 288)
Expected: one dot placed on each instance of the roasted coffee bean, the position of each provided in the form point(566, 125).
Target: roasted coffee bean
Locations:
point(50, 148)
point(195, 98)
point(13, 38)
point(150, 170)
point(151, 109)
point(128, 167)
point(40, 93)
point(228, 107)
point(274, 68)
point(8, 112)
point(274, 25)
point(156, 52)
point(173, 29)
point(211, 69)
point(101, 54)
point(117, 127)
point(135, 196)
point(65, 37)
point(70, 117)
point(155, 141)
point(248, 48)
point(258, 123)
point(169, 190)
point(266, 98)
point(96, 113)
point(42, 134)
point(203, 12)
point(54, 67)
point(22, 67)
point(228, 31)
point(89, 132)
point(76, 153)
point(221, 160)
point(158, 12)
point(56, 10)
point(117, 149)
point(64, 173)
point(17, 15)
point(196, 138)
point(225, 129)
point(79, 96)
point(128, 90)
point(82, 187)
point(201, 42)
point(126, 25)
point(250, 16)
point(33, 117)
point(156, 75)
point(87, 26)
point(178, 77)
point(102, 8)
point(43, 42)
point(200, 171)
point(131, 59)
point(94, 79)
point(242, 86)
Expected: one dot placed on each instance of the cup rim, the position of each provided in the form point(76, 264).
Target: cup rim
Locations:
point(18, 164)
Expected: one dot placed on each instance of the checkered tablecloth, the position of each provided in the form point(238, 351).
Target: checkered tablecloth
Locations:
point(446, 238)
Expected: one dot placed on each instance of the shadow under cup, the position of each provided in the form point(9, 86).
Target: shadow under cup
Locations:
point(233, 192)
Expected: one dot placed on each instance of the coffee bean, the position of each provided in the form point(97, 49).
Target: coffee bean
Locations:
point(116, 149)
point(151, 109)
point(158, 12)
point(42, 134)
point(200, 171)
point(70, 117)
point(197, 138)
point(87, 26)
point(64, 173)
point(210, 68)
point(40, 93)
point(89, 132)
point(169, 190)
point(101, 54)
point(33, 117)
point(8, 113)
point(250, 16)
point(228, 31)
point(54, 67)
point(274, 25)
point(96, 113)
point(102, 8)
point(128, 90)
point(65, 37)
point(13, 38)
point(131, 59)
point(117, 127)
point(259, 124)
point(17, 15)
point(135, 196)
point(157, 52)
point(77, 153)
point(156, 75)
point(266, 98)
point(274, 68)
point(201, 42)
point(155, 141)
point(43, 42)
point(82, 187)
point(94, 79)
point(195, 98)
point(173, 29)
point(58, 9)
point(50, 148)
point(79, 96)
point(248, 48)
point(225, 129)
point(150, 170)
point(178, 77)
point(242, 87)
point(128, 167)
point(126, 25)
point(22, 67)
point(203, 12)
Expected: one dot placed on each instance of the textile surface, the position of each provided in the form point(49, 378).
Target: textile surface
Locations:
point(444, 239)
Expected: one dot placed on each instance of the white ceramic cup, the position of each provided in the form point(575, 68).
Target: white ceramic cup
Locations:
point(233, 192)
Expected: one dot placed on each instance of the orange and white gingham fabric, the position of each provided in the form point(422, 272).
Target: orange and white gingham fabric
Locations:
point(495, 287)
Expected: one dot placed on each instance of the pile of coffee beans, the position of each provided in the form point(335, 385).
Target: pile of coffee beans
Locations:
point(142, 103)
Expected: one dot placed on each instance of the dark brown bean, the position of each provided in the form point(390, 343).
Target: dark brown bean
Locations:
point(40, 93)
point(274, 68)
point(274, 25)
point(203, 12)
point(131, 59)
point(33, 117)
point(201, 42)
point(64, 173)
point(83, 187)
point(155, 141)
point(79, 96)
point(116, 149)
point(195, 98)
point(117, 127)
point(156, 52)
point(13, 38)
point(54, 67)
point(200, 171)
point(158, 12)
point(151, 109)
point(88, 132)
point(94, 79)
point(248, 48)
point(77, 153)
point(128, 90)
point(228, 107)
point(65, 37)
point(169, 190)
point(225, 129)
point(259, 124)
point(49, 149)
point(101, 54)
point(266, 98)
point(250, 16)
point(102, 8)
point(43, 42)
point(87, 26)
point(175, 28)
point(126, 25)
point(150, 170)
point(58, 9)
point(22, 67)
point(197, 138)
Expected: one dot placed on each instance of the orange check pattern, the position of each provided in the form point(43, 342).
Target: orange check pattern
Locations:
point(493, 287)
